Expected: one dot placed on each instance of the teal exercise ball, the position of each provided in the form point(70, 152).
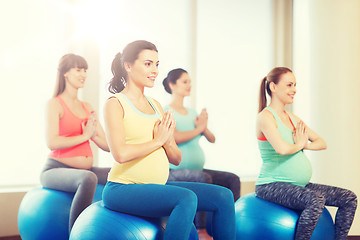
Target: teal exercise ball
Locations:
point(98, 222)
point(257, 219)
point(44, 213)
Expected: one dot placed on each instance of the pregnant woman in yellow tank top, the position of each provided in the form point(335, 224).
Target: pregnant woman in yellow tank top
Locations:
point(140, 137)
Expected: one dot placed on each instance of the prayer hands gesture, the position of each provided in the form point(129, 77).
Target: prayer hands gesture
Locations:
point(202, 120)
point(300, 135)
point(89, 126)
point(164, 128)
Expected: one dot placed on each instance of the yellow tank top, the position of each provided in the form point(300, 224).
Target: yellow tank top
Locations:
point(154, 167)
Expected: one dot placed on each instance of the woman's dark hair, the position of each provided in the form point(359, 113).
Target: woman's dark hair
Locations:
point(172, 77)
point(66, 63)
point(129, 55)
point(273, 76)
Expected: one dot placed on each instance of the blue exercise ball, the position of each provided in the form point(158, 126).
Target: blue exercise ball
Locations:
point(257, 219)
point(44, 213)
point(98, 222)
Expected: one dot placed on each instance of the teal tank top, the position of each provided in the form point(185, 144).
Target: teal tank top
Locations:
point(193, 157)
point(294, 168)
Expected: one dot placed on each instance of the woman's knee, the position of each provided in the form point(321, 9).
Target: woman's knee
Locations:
point(316, 200)
point(89, 179)
point(223, 196)
point(189, 199)
point(351, 198)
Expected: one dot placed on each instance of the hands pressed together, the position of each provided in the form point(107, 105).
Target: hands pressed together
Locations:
point(89, 126)
point(164, 128)
point(202, 120)
point(300, 134)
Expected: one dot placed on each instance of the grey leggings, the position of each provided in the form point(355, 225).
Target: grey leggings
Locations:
point(311, 199)
point(59, 176)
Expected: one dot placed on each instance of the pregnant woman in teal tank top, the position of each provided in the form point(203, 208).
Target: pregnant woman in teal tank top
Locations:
point(190, 127)
point(286, 171)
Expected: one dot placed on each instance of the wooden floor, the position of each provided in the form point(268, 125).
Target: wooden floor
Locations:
point(202, 236)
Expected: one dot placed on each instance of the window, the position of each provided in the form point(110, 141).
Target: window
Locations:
point(33, 37)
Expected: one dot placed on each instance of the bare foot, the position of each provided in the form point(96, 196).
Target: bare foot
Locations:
point(203, 235)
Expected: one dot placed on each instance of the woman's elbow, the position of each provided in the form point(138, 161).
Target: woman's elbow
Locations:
point(118, 157)
point(282, 151)
point(178, 139)
point(176, 160)
point(321, 144)
point(52, 145)
point(105, 148)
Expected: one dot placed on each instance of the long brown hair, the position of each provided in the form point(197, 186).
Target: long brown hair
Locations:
point(273, 76)
point(66, 63)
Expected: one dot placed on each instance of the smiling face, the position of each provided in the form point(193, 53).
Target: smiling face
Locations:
point(285, 89)
point(75, 77)
point(144, 70)
point(182, 86)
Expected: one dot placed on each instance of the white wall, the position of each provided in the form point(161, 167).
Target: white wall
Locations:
point(326, 63)
point(29, 51)
point(169, 27)
point(235, 50)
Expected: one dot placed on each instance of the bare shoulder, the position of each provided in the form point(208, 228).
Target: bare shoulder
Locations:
point(265, 116)
point(54, 108)
point(113, 104)
point(53, 103)
point(265, 120)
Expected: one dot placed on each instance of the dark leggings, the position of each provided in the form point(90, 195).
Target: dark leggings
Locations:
point(311, 199)
point(179, 201)
point(225, 179)
point(59, 176)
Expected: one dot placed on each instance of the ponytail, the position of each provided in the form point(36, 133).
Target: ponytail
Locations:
point(262, 94)
point(118, 82)
point(172, 77)
point(273, 76)
point(167, 85)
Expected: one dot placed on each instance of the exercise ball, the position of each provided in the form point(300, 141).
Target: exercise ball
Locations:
point(257, 219)
point(98, 222)
point(44, 213)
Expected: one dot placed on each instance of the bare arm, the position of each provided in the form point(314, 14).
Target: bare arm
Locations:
point(54, 141)
point(266, 126)
point(209, 135)
point(115, 135)
point(184, 136)
point(202, 120)
point(200, 128)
